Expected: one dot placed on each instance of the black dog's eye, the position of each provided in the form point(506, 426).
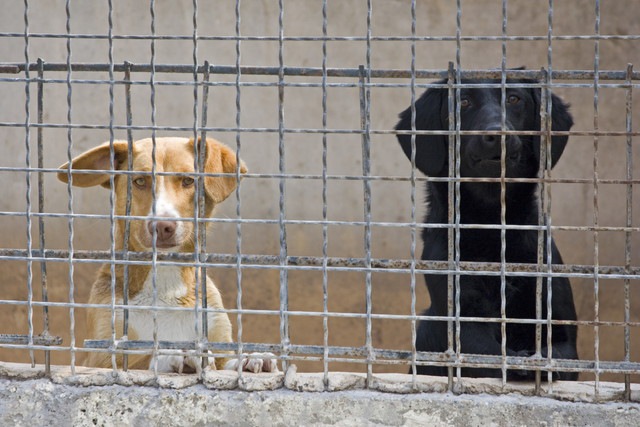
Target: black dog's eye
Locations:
point(513, 99)
point(464, 102)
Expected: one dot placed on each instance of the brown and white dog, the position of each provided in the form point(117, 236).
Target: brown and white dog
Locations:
point(174, 232)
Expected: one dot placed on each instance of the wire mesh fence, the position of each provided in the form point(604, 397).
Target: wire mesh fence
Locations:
point(316, 252)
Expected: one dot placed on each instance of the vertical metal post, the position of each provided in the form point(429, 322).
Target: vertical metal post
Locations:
point(628, 234)
point(325, 227)
point(503, 201)
point(41, 229)
point(238, 189)
point(366, 171)
point(112, 192)
point(596, 222)
point(544, 195)
point(72, 318)
point(154, 188)
point(456, 195)
point(284, 276)
point(453, 337)
point(201, 155)
point(127, 221)
point(542, 164)
point(414, 230)
point(547, 224)
point(200, 315)
point(27, 142)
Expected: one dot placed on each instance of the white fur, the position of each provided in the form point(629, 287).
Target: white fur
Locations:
point(172, 325)
point(166, 207)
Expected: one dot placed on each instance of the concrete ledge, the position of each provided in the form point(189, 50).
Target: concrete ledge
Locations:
point(42, 402)
point(102, 397)
point(578, 391)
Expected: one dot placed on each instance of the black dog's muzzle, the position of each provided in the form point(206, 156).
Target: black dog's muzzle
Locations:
point(489, 145)
point(484, 151)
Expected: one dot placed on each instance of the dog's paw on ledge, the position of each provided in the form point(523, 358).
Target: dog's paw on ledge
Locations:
point(254, 362)
point(226, 379)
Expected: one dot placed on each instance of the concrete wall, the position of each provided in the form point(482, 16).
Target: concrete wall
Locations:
point(98, 397)
point(572, 203)
point(46, 404)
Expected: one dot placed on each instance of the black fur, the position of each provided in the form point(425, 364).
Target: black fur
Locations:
point(480, 204)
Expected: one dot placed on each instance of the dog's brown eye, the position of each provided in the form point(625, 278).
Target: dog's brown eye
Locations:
point(464, 102)
point(187, 182)
point(140, 182)
point(513, 99)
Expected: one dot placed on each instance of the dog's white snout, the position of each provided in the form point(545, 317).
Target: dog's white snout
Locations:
point(167, 228)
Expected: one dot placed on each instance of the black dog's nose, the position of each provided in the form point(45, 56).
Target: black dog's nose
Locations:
point(494, 136)
point(492, 146)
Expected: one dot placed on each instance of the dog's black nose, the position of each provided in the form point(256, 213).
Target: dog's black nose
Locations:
point(492, 146)
point(165, 230)
point(494, 137)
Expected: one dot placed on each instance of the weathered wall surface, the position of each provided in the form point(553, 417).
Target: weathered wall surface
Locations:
point(572, 203)
point(42, 403)
point(98, 397)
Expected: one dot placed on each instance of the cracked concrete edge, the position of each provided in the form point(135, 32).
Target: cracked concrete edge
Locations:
point(578, 391)
point(40, 401)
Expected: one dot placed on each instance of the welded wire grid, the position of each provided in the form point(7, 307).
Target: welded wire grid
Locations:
point(36, 73)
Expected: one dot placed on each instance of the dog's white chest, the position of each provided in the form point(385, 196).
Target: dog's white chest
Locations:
point(172, 324)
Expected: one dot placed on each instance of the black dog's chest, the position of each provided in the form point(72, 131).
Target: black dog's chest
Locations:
point(488, 246)
point(484, 246)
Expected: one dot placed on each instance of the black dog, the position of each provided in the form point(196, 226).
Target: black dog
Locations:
point(480, 156)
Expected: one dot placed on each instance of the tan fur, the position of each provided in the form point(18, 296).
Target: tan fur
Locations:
point(174, 155)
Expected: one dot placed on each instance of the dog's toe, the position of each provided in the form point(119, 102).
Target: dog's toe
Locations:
point(270, 362)
point(258, 362)
point(181, 364)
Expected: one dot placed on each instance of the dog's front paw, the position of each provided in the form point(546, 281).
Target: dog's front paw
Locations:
point(181, 364)
point(254, 362)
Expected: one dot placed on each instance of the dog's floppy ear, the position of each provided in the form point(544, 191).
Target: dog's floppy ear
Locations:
point(98, 158)
point(561, 120)
point(431, 150)
point(221, 159)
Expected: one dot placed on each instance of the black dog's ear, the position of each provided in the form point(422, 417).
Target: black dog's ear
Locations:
point(561, 120)
point(431, 150)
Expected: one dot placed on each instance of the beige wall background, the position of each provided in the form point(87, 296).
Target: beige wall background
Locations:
point(572, 204)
